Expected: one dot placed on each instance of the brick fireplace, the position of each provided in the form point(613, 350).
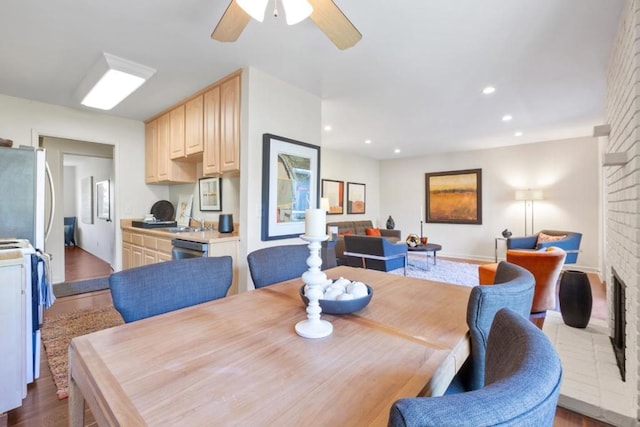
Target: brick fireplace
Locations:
point(621, 195)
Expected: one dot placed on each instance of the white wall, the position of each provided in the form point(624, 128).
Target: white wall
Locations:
point(347, 167)
point(97, 238)
point(25, 121)
point(272, 106)
point(566, 170)
point(69, 188)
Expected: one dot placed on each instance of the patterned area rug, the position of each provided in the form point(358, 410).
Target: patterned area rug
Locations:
point(460, 273)
point(58, 331)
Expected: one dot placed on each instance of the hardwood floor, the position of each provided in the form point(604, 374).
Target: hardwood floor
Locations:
point(80, 264)
point(42, 407)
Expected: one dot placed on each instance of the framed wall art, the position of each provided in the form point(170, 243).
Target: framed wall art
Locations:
point(210, 190)
point(290, 185)
point(454, 197)
point(103, 202)
point(334, 192)
point(356, 198)
point(86, 200)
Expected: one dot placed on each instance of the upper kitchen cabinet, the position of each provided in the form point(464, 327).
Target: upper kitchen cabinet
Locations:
point(150, 147)
point(230, 125)
point(204, 127)
point(222, 128)
point(168, 170)
point(176, 140)
point(193, 127)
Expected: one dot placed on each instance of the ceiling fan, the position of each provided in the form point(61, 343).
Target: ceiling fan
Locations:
point(325, 14)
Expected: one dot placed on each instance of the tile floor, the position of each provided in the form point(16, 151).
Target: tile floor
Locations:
point(592, 384)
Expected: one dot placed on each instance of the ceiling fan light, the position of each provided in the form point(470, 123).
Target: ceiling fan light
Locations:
point(296, 10)
point(255, 8)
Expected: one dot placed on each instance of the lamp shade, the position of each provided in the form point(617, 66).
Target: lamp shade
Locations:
point(255, 8)
point(296, 10)
point(529, 195)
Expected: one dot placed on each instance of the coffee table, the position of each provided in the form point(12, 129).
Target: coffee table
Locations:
point(429, 247)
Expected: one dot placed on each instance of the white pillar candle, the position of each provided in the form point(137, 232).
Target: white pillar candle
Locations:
point(315, 222)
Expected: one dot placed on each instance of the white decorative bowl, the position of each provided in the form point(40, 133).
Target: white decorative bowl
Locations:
point(341, 306)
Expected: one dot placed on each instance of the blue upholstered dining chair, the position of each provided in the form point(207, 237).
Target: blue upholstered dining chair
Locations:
point(277, 264)
point(514, 288)
point(154, 289)
point(523, 373)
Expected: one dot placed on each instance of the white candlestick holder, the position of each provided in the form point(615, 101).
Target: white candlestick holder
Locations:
point(314, 278)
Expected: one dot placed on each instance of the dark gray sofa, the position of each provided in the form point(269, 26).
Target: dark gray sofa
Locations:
point(357, 228)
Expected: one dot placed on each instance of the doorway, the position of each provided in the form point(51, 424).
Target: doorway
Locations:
point(94, 236)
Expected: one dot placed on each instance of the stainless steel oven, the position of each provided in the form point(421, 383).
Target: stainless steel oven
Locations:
point(188, 249)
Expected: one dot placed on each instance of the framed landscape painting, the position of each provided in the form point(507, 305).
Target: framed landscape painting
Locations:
point(290, 185)
point(454, 197)
point(334, 191)
point(356, 198)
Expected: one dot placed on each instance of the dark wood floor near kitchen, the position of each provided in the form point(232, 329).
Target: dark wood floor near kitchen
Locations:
point(42, 407)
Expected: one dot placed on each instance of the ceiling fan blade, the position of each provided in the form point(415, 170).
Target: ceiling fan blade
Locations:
point(330, 19)
point(231, 24)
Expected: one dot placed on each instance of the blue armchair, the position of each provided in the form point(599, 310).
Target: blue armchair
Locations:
point(375, 253)
point(70, 230)
point(523, 373)
point(569, 241)
point(171, 285)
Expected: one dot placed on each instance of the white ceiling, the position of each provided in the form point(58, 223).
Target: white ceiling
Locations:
point(413, 82)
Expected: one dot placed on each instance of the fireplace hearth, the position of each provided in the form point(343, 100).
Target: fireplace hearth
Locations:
point(618, 340)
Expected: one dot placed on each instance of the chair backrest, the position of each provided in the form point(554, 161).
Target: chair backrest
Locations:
point(277, 263)
point(69, 220)
point(546, 267)
point(376, 246)
point(513, 288)
point(154, 289)
point(523, 384)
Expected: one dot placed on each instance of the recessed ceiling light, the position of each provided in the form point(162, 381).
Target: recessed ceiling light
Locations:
point(367, 141)
point(488, 90)
point(328, 128)
point(518, 133)
point(506, 117)
point(397, 150)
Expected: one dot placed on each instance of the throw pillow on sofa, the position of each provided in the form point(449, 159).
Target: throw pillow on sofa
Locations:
point(545, 238)
point(373, 232)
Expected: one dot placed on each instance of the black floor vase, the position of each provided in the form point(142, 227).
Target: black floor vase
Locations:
point(575, 298)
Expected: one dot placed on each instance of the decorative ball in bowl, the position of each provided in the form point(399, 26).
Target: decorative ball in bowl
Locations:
point(342, 306)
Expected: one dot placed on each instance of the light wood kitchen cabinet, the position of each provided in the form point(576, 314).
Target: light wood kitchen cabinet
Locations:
point(168, 170)
point(230, 125)
point(176, 132)
point(150, 155)
point(140, 249)
point(222, 128)
point(126, 255)
point(193, 126)
point(205, 127)
point(211, 154)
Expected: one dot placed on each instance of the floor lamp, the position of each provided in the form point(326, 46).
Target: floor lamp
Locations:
point(528, 196)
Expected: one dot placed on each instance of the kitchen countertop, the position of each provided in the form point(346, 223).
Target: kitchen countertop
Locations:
point(209, 236)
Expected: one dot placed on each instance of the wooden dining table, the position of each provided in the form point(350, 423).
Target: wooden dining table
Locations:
point(239, 361)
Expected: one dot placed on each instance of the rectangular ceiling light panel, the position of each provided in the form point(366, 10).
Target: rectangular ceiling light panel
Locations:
point(111, 80)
